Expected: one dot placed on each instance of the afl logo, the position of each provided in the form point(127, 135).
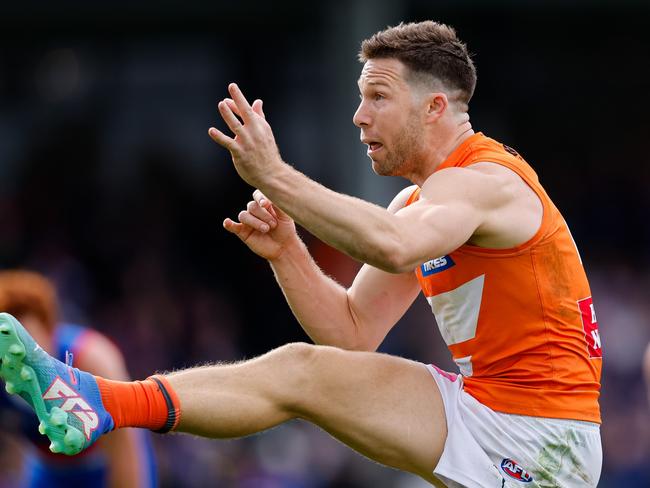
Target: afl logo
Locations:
point(512, 469)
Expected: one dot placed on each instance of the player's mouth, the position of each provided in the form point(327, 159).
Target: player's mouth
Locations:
point(373, 147)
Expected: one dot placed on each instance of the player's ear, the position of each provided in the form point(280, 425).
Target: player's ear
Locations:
point(436, 105)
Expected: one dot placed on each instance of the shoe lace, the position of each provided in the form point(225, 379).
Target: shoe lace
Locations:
point(69, 357)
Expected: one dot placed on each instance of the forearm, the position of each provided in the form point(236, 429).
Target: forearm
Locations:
point(318, 302)
point(362, 230)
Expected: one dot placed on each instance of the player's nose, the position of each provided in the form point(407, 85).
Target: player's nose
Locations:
point(362, 117)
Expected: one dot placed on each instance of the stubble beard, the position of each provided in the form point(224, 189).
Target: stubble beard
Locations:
point(406, 152)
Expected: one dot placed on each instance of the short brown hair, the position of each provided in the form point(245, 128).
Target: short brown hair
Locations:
point(426, 48)
point(27, 292)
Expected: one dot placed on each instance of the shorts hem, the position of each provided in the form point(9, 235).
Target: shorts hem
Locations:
point(460, 478)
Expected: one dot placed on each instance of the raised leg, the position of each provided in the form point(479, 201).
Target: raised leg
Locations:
point(387, 408)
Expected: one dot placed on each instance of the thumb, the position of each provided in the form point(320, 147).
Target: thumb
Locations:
point(233, 227)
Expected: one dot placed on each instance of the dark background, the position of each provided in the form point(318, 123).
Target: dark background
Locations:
point(110, 185)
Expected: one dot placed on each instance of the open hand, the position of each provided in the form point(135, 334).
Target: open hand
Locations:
point(253, 148)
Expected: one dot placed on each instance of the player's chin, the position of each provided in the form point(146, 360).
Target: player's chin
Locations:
point(376, 168)
point(381, 168)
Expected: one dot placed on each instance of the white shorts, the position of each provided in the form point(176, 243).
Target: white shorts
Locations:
point(485, 448)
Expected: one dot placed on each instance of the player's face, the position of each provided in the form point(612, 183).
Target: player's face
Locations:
point(388, 117)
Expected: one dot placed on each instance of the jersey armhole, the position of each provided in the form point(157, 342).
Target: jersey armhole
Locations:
point(414, 197)
point(544, 225)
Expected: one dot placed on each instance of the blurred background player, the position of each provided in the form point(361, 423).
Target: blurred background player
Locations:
point(122, 459)
point(646, 369)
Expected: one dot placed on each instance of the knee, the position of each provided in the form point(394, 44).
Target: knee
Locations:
point(301, 363)
point(298, 356)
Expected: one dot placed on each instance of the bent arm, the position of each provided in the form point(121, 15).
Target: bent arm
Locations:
point(357, 318)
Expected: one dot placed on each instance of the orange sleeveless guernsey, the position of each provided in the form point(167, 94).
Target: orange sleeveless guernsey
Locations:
point(519, 322)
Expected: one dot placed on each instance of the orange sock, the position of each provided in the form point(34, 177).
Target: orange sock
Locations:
point(150, 404)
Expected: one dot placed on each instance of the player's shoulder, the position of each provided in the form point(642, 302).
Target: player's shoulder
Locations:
point(479, 172)
point(401, 198)
point(483, 182)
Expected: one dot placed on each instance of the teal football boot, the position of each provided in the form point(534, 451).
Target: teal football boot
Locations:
point(66, 400)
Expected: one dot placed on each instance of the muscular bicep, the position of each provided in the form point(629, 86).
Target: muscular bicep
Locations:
point(453, 207)
point(378, 300)
point(436, 229)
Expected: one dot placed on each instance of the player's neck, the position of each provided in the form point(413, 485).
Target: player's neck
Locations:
point(463, 132)
point(442, 149)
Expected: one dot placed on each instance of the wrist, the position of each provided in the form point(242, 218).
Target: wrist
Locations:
point(277, 181)
point(264, 177)
point(292, 249)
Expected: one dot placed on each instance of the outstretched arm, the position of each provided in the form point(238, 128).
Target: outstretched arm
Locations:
point(357, 318)
point(454, 203)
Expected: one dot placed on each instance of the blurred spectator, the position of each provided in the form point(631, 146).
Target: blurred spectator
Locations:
point(123, 459)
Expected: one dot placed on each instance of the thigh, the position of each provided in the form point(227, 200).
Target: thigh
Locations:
point(387, 408)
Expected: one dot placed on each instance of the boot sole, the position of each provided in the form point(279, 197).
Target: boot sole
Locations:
point(21, 378)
